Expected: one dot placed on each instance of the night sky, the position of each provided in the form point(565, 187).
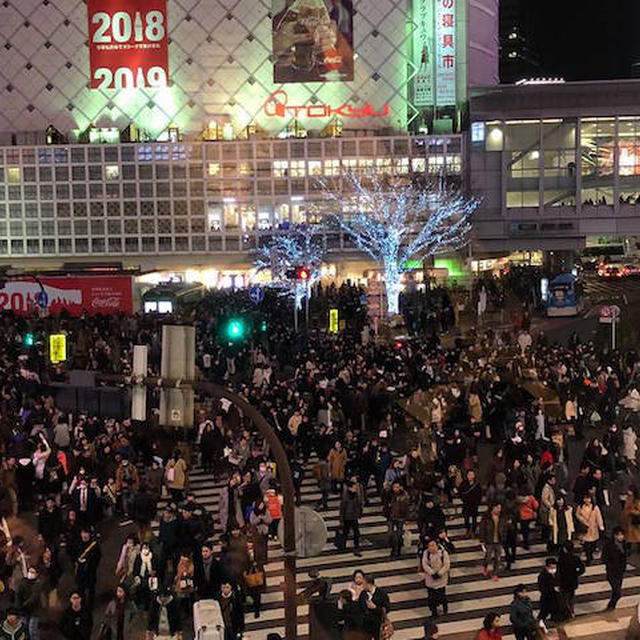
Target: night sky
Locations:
point(587, 39)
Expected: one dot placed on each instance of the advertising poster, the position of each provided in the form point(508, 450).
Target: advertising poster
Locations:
point(128, 46)
point(423, 57)
point(312, 40)
point(446, 52)
point(75, 295)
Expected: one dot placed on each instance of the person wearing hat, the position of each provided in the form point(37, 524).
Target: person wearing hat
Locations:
point(549, 588)
point(521, 615)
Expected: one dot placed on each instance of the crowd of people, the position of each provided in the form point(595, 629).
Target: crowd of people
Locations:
point(335, 402)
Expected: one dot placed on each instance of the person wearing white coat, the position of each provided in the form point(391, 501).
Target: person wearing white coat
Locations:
point(436, 566)
point(629, 443)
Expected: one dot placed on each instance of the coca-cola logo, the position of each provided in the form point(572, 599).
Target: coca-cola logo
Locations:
point(112, 302)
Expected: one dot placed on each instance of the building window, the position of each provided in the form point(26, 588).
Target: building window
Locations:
point(112, 172)
point(315, 168)
point(281, 168)
point(298, 168)
point(332, 167)
point(214, 169)
point(13, 174)
point(215, 217)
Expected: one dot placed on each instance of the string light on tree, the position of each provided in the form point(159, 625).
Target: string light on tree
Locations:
point(398, 219)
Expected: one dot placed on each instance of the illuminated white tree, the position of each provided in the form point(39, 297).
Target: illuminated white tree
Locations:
point(301, 245)
point(395, 219)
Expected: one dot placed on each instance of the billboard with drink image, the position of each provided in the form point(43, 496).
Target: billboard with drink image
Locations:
point(312, 40)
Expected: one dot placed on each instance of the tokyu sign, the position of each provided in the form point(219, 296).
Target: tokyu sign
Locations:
point(276, 106)
point(128, 44)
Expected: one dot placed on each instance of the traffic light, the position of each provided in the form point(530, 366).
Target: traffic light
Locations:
point(302, 274)
point(235, 329)
point(263, 326)
point(28, 340)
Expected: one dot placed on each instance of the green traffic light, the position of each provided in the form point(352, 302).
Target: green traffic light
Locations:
point(263, 325)
point(235, 330)
point(29, 340)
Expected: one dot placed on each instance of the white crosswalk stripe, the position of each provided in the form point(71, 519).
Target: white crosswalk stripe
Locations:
point(471, 596)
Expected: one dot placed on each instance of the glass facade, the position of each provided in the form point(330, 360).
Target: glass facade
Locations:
point(185, 198)
point(578, 163)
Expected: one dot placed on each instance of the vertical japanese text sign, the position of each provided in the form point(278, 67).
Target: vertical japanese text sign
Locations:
point(446, 52)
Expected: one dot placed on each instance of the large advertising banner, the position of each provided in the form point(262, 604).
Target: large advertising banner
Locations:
point(75, 295)
point(312, 40)
point(423, 51)
point(445, 52)
point(128, 46)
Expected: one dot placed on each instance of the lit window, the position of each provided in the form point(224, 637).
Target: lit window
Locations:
point(402, 165)
point(383, 165)
point(315, 167)
point(112, 171)
point(214, 169)
point(214, 217)
point(478, 131)
point(513, 54)
point(280, 168)
point(366, 164)
point(419, 165)
point(298, 168)
point(13, 174)
point(332, 167)
point(435, 164)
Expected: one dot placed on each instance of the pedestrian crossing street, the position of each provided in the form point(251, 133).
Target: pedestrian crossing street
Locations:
point(471, 596)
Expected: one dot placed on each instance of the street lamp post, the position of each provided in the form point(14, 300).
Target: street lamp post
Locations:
point(284, 471)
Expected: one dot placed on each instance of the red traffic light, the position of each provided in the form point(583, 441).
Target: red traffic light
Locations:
point(302, 273)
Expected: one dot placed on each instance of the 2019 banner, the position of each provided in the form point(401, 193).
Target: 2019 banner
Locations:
point(312, 40)
point(128, 45)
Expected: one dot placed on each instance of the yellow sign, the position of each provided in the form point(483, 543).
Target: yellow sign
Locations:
point(58, 347)
point(333, 321)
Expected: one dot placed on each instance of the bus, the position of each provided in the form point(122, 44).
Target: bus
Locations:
point(172, 297)
point(564, 296)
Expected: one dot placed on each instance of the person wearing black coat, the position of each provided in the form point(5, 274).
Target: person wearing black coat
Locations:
point(431, 517)
point(50, 521)
point(207, 573)
point(144, 511)
point(350, 616)
point(470, 493)
point(614, 556)
point(164, 600)
point(76, 623)
point(232, 610)
point(375, 603)
point(549, 588)
point(570, 568)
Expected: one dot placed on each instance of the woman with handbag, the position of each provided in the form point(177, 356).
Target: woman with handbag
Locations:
point(590, 527)
point(260, 520)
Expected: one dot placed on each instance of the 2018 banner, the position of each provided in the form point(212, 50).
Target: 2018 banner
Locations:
point(128, 45)
point(75, 295)
point(312, 40)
